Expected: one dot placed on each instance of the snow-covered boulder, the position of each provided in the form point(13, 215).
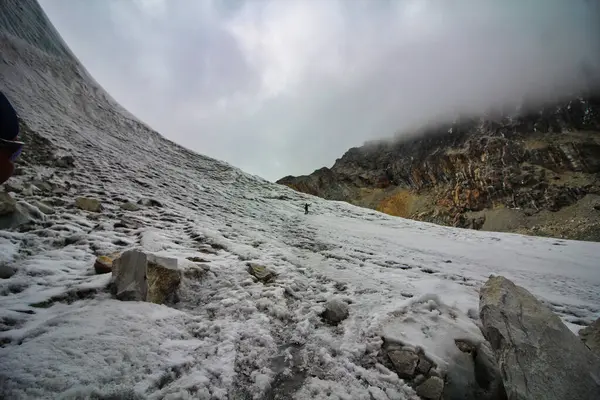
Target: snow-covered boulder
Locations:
point(139, 276)
point(539, 357)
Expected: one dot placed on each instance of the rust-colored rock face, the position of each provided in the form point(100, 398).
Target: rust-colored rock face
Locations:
point(540, 171)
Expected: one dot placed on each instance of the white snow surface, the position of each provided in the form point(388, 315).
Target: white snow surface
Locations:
point(64, 337)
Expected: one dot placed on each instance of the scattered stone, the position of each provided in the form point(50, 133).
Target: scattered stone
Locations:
point(404, 361)
point(149, 202)
point(336, 310)
point(538, 356)
point(129, 206)
point(8, 205)
point(431, 389)
point(65, 162)
point(103, 264)
point(88, 204)
point(138, 276)
point(6, 271)
point(261, 273)
point(591, 337)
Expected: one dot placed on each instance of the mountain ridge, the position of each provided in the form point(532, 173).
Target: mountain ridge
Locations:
point(523, 168)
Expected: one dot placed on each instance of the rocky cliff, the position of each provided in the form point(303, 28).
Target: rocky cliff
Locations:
point(533, 172)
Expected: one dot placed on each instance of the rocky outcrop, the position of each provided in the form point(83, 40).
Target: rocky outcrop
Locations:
point(138, 276)
point(525, 168)
point(538, 356)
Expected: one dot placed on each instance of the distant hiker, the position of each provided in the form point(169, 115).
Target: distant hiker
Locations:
point(306, 208)
point(10, 148)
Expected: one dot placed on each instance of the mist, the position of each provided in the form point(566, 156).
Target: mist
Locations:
point(285, 87)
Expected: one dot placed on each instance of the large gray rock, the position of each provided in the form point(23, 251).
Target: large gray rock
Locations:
point(591, 337)
point(137, 276)
point(538, 356)
point(129, 276)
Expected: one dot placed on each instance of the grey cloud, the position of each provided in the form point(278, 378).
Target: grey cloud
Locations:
point(284, 87)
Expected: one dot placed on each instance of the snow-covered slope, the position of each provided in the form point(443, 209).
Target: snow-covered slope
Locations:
point(229, 336)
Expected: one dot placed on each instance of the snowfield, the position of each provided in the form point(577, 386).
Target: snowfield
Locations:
point(230, 336)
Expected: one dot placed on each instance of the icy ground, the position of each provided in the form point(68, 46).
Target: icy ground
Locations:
point(62, 336)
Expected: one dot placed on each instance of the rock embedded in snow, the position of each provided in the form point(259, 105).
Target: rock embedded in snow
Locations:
point(405, 362)
point(65, 161)
point(590, 335)
point(336, 310)
point(104, 264)
point(6, 271)
point(538, 356)
point(138, 276)
point(261, 273)
point(431, 389)
point(88, 204)
point(129, 206)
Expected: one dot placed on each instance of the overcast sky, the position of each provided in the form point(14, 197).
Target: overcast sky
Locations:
point(285, 87)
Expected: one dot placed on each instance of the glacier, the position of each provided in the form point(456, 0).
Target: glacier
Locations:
point(63, 335)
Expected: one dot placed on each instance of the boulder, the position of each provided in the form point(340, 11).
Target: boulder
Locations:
point(129, 276)
point(6, 271)
point(103, 264)
point(336, 310)
point(538, 356)
point(261, 273)
point(88, 204)
point(431, 389)
point(139, 276)
point(404, 361)
point(129, 206)
point(591, 337)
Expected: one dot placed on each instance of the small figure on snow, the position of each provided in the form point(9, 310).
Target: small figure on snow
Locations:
point(306, 208)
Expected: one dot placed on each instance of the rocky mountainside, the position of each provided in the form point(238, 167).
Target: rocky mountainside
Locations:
point(536, 172)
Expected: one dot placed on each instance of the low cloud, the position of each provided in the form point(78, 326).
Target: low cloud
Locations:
point(285, 87)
